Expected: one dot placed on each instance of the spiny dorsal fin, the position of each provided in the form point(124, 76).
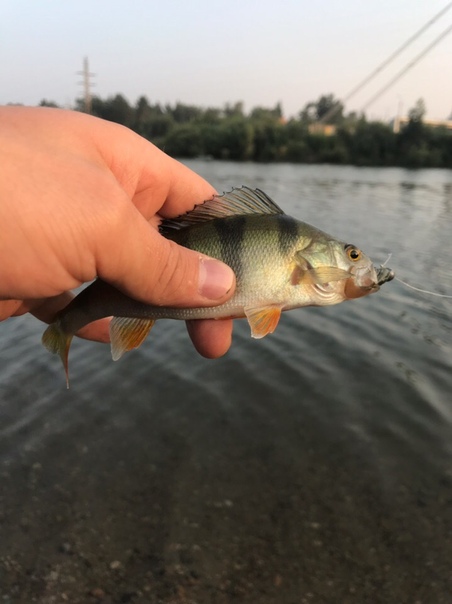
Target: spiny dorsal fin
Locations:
point(241, 201)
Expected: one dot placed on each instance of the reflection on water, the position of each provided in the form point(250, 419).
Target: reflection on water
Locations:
point(314, 465)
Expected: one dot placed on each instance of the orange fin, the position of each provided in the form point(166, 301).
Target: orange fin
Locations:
point(263, 320)
point(58, 342)
point(126, 334)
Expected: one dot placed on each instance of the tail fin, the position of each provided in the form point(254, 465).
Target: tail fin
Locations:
point(58, 342)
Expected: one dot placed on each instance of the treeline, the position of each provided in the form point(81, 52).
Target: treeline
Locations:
point(321, 133)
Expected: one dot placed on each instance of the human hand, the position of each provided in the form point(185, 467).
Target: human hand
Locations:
point(81, 198)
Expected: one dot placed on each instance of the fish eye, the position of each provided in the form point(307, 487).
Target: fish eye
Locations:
point(353, 253)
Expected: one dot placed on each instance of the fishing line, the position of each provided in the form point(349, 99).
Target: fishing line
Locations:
point(417, 289)
point(387, 260)
point(424, 291)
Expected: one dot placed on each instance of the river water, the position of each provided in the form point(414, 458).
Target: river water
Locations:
point(313, 466)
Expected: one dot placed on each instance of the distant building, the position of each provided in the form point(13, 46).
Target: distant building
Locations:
point(399, 122)
point(324, 129)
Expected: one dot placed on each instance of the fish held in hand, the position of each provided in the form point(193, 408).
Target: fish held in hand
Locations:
point(280, 263)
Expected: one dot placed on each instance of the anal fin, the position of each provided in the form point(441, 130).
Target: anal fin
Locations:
point(127, 334)
point(263, 320)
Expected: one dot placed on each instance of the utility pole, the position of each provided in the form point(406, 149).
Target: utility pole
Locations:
point(86, 83)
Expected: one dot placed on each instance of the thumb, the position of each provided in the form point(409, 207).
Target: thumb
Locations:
point(155, 270)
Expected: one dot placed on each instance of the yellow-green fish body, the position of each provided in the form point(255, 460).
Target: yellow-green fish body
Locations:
point(280, 263)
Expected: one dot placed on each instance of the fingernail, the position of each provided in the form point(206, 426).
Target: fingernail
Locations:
point(215, 279)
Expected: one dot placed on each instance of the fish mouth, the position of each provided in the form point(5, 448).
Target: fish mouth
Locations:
point(367, 281)
point(384, 275)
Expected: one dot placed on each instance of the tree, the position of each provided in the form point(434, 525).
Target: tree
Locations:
point(210, 116)
point(45, 103)
point(370, 143)
point(235, 110)
point(183, 113)
point(262, 135)
point(184, 140)
point(326, 108)
point(260, 113)
point(151, 121)
point(417, 113)
point(413, 137)
point(142, 114)
point(238, 138)
point(115, 109)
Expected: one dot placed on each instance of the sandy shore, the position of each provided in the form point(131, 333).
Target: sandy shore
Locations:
point(177, 510)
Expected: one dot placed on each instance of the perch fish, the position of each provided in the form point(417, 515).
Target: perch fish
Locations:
point(280, 263)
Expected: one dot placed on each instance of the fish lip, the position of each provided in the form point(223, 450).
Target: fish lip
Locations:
point(384, 275)
point(380, 276)
point(366, 278)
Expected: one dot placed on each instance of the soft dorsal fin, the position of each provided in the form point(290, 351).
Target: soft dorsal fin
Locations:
point(238, 202)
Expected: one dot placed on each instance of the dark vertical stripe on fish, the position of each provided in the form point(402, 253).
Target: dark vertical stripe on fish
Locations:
point(181, 237)
point(231, 234)
point(287, 233)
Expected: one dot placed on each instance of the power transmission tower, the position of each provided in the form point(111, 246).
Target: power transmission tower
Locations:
point(86, 83)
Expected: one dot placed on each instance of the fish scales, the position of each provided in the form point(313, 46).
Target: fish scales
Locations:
point(257, 248)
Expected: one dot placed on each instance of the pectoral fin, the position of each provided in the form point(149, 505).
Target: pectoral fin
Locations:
point(126, 334)
point(304, 274)
point(263, 320)
point(326, 274)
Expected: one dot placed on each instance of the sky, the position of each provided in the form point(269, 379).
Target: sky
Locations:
point(209, 53)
